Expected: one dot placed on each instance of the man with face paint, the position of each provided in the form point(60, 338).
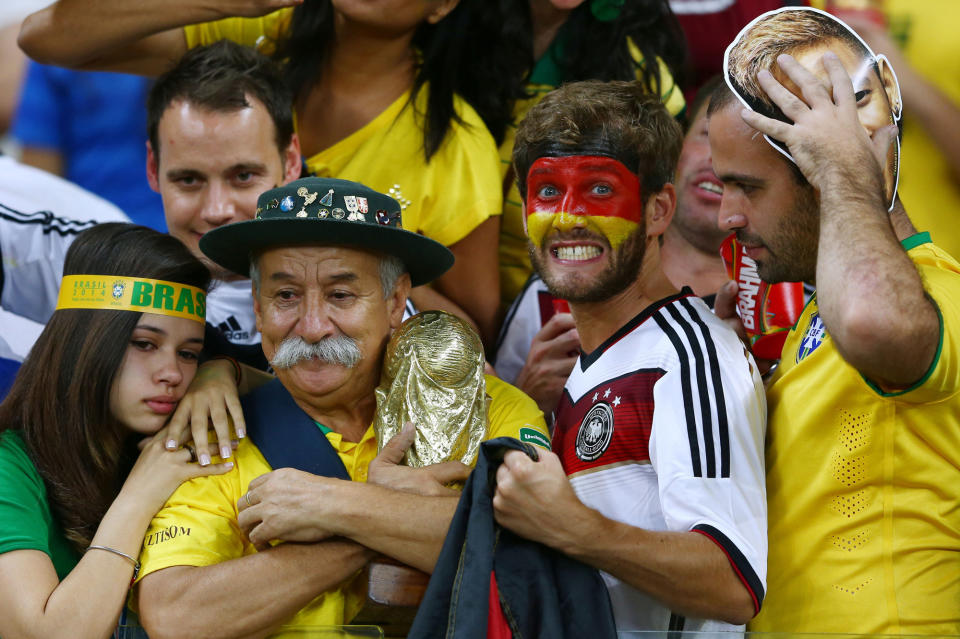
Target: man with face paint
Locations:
point(658, 476)
point(863, 411)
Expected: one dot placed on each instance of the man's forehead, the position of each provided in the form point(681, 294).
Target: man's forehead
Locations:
point(576, 164)
point(322, 261)
point(733, 142)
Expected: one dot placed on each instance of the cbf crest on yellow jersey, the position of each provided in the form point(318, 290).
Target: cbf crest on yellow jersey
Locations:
point(862, 488)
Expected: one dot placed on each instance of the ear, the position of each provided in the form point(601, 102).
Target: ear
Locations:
point(292, 161)
point(659, 211)
point(153, 170)
point(443, 8)
point(397, 301)
point(890, 85)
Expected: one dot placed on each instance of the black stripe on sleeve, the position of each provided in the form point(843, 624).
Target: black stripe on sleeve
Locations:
point(687, 392)
point(50, 223)
point(675, 627)
point(718, 391)
point(706, 412)
point(737, 560)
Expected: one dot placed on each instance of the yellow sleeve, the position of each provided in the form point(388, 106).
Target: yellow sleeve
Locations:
point(198, 524)
point(514, 414)
point(941, 279)
point(670, 93)
point(245, 31)
point(465, 186)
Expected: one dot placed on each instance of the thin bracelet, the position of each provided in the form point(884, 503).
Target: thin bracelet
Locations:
point(236, 365)
point(136, 564)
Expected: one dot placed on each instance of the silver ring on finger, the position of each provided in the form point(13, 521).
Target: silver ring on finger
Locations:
point(246, 498)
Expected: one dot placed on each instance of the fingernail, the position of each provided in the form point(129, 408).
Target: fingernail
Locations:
point(171, 444)
point(204, 459)
point(225, 452)
point(241, 433)
point(228, 465)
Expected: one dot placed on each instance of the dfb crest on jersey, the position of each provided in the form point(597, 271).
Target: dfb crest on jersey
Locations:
point(595, 432)
point(812, 337)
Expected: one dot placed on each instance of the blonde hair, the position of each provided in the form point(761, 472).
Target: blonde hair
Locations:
point(789, 31)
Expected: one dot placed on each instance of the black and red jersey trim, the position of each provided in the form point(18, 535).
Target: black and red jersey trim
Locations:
point(738, 562)
point(586, 359)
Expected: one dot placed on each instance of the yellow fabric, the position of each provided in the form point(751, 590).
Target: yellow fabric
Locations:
point(198, 524)
point(515, 265)
point(138, 294)
point(930, 192)
point(863, 511)
point(444, 199)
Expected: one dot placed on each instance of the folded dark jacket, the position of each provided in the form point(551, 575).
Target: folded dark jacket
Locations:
point(543, 593)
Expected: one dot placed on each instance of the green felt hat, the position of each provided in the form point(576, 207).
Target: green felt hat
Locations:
point(327, 212)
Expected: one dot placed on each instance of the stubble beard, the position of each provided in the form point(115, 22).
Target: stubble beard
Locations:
point(621, 272)
point(796, 242)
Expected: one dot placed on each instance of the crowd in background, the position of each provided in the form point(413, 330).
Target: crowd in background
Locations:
point(471, 69)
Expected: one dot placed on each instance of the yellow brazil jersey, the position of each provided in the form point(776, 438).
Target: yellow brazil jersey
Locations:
point(862, 485)
point(198, 524)
point(515, 265)
point(444, 199)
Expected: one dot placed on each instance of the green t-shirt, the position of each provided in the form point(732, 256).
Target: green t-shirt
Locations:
point(26, 522)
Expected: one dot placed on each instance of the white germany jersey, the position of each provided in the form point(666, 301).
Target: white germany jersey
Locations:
point(662, 428)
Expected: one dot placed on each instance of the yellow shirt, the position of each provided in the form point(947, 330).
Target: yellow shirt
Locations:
point(862, 486)
point(444, 199)
point(515, 265)
point(198, 524)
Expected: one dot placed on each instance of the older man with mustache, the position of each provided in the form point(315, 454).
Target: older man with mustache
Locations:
point(331, 269)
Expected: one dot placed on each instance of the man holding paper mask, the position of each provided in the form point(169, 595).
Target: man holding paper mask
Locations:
point(862, 410)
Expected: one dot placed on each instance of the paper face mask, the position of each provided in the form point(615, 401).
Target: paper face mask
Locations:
point(806, 34)
point(582, 190)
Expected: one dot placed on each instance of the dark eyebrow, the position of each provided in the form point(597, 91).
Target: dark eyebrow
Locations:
point(160, 331)
point(247, 167)
point(152, 329)
point(740, 177)
point(174, 174)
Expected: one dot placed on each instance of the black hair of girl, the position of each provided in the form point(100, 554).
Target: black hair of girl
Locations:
point(473, 52)
point(598, 50)
point(61, 396)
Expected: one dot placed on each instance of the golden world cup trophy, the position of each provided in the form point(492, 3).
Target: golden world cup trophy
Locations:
point(433, 376)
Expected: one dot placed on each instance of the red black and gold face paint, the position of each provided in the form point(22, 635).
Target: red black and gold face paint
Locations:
point(582, 191)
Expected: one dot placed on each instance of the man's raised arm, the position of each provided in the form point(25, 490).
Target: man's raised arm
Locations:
point(870, 296)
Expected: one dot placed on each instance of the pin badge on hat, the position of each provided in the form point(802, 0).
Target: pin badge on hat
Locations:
point(274, 203)
point(327, 200)
point(308, 199)
point(287, 203)
point(362, 203)
point(338, 213)
point(322, 213)
point(353, 207)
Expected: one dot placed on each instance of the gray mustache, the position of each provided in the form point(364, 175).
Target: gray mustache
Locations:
point(341, 350)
